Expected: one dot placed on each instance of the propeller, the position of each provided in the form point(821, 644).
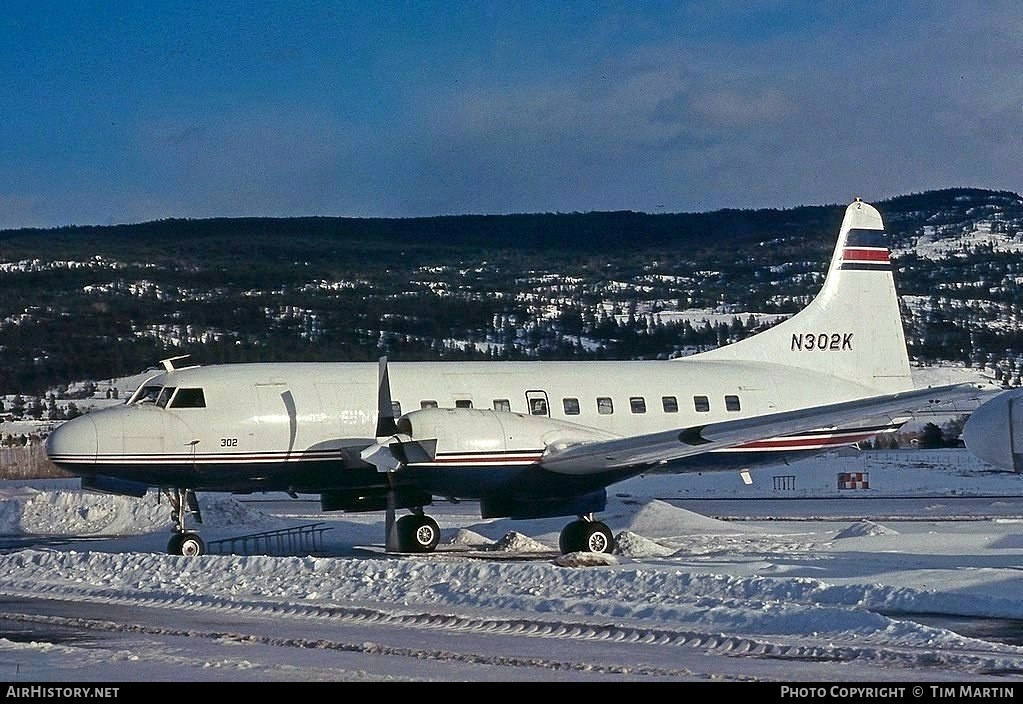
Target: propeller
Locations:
point(380, 454)
point(386, 427)
point(392, 451)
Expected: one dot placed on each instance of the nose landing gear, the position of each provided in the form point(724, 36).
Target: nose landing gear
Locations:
point(183, 541)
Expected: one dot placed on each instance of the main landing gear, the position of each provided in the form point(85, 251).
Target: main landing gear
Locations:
point(417, 532)
point(183, 541)
point(586, 535)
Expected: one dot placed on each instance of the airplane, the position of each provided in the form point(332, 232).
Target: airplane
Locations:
point(994, 431)
point(526, 440)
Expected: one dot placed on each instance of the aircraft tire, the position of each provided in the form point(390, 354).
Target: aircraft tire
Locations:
point(571, 538)
point(417, 533)
point(190, 545)
point(174, 544)
point(597, 537)
point(586, 536)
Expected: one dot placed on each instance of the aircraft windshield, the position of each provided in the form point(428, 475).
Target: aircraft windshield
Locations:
point(165, 396)
point(152, 393)
point(147, 394)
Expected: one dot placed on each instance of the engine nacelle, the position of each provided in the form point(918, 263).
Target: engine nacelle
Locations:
point(994, 432)
point(429, 433)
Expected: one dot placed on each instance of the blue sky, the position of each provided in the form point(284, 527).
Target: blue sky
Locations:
point(117, 112)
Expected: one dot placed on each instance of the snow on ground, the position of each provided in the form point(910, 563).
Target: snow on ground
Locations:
point(738, 583)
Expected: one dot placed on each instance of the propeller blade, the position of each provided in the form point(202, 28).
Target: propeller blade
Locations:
point(394, 452)
point(385, 410)
point(381, 456)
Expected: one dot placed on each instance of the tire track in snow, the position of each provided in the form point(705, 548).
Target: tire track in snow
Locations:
point(971, 660)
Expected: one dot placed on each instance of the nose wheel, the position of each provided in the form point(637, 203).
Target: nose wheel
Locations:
point(183, 541)
point(187, 544)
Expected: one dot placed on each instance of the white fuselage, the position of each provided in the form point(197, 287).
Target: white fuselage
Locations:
point(291, 411)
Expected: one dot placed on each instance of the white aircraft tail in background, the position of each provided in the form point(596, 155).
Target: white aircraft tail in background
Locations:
point(524, 439)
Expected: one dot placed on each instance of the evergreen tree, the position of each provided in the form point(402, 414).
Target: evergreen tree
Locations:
point(930, 437)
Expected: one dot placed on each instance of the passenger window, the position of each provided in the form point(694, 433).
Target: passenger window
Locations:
point(732, 403)
point(165, 396)
point(189, 398)
point(701, 404)
point(638, 404)
point(571, 406)
point(604, 406)
point(538, 406)
point(502, 404)
point(427, 404)
point(396, 409)
point(669, 404)
point(463, 403)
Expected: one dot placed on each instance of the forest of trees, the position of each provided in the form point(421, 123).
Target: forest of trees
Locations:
point(85, 303)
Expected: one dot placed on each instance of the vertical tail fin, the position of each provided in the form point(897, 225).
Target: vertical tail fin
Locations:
point(852, 329)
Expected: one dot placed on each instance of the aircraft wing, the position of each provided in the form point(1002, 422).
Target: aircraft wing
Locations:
point(662, 447)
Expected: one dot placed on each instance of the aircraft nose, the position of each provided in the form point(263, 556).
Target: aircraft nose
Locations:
point(73, 442)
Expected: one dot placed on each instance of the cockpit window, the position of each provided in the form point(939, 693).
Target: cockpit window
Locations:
point(165, 396)
point(147, 394)
point(189, 398)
